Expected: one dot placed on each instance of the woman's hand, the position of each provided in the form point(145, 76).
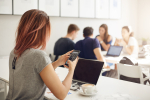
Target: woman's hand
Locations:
point(123, 42)
point(62, 59)
point(72, 64)
point(117, 42)
point(99, 38)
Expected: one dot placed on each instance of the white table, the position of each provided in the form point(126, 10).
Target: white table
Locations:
point(106, 86)
point(145, 62)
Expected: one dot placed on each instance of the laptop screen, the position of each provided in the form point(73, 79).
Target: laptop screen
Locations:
point(114, 50)
point(88, 71)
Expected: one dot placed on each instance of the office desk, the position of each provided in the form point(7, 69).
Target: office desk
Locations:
point(106, 86)
point(145, 62)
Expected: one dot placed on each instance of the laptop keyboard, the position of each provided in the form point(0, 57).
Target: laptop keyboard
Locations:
point(77, 83)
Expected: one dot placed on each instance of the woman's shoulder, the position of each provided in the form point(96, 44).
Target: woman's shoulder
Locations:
point(12, 52)
point(132, 39)
point(38, 52)
point(109, 38)
point(34, 53)
point(38, 56)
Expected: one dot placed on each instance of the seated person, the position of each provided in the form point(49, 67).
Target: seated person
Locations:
point(129, 43)
point(65, 44)
point(89, 47)
point(30, 69)
point(104, 38)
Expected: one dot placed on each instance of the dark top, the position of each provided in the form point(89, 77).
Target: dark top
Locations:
point(63, 45)
point(86, 47)
point(105, 43)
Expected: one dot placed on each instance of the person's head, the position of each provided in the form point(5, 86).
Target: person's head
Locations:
point(88, 32)
point(33, 31)
point(73, 30)
point(103, 30)
point(127, 32)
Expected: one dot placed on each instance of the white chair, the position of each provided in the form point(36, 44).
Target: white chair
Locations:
point(52, 56)
point(3, 88)
point(131, 71)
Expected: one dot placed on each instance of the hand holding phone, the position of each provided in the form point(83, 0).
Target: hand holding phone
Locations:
point(73, 56)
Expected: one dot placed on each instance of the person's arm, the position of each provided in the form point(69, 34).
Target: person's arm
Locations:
point(104, 45)
point(100, 57)
point(55, 64)
point(129, 48)
point(61, 60)
point(50, 78)
point(116, 42)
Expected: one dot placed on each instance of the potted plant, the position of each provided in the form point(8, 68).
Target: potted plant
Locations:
point(144, 41)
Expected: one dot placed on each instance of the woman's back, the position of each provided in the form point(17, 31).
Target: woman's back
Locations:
point(33, 69)
point(24, 81)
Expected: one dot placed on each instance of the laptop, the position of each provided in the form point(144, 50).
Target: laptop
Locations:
point(86, 71)
point(114, 51)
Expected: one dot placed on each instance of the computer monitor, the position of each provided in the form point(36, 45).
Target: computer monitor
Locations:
point(88, 71)
point(114, 51)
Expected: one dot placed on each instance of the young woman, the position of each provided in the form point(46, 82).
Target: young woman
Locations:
point(129, 43)
point(30, 68)
point(104, 38)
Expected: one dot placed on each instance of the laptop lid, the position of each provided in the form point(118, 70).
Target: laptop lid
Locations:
point(88, 71)
point(114, 51)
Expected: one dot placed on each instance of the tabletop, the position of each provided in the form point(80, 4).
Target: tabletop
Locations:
point(107, 87)
point(141, 61)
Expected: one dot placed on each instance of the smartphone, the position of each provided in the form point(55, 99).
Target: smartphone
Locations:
point(73, 56)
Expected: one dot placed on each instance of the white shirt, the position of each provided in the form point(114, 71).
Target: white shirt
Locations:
point(132, 42)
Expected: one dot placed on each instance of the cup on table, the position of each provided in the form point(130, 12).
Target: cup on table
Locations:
point(88, 88)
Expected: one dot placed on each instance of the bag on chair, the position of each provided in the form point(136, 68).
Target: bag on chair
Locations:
point(124, 60)
point(130, 61)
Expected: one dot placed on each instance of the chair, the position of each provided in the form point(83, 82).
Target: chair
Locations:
point(52, 56)
point(131, 71)
point(3, 89)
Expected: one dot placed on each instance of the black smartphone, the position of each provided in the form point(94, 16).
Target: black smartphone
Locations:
point(73, 56)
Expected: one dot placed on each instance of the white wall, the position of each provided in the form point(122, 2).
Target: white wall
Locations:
point(8, 25)
point(143, 19)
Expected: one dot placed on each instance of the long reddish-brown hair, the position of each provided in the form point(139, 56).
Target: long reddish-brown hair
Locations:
point(106, 35)
point(33, 31)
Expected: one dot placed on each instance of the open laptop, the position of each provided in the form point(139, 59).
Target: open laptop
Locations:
point(86, 71)
point(114, 51)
